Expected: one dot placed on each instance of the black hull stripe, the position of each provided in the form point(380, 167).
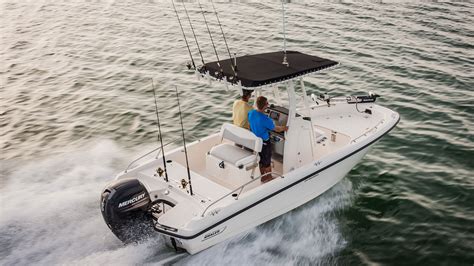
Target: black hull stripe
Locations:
point(276, 192)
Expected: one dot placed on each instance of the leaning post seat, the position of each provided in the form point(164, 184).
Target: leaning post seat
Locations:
point(233, 154)
point(230, 162)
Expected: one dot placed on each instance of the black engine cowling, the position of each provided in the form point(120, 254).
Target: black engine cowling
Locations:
point(124, 206)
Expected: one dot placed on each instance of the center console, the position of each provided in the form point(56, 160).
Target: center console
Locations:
point(279, 115)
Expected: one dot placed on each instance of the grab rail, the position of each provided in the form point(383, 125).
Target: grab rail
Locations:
point(241, 188)
point(159, 148)
point(148, 153)
point(368, 131)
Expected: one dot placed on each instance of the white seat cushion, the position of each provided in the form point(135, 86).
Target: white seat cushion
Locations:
point(233, 154)
point(241, 136)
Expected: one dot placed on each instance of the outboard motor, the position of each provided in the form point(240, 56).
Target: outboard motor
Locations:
point(124, 206)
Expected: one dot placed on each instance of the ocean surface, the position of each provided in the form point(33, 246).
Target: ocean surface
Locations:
point(77, 107)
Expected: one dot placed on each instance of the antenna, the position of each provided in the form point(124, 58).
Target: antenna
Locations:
point(184, 35)
point(184, 143)
point(194, 34)
point(285, 60)
point(159, 131)
point(210, 35)
point(223, 36)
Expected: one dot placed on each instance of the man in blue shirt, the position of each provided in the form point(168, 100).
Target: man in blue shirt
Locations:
point(260, 125)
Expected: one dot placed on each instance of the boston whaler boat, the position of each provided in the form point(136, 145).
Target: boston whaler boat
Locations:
point(204, 192)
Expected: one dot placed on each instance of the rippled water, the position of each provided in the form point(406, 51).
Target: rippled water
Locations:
point(76, 107)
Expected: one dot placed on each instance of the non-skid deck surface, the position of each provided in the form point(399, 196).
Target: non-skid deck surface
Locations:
point(202, 186)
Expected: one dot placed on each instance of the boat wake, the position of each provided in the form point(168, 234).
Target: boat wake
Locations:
point(50, 215)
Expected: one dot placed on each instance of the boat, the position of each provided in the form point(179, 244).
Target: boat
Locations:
point(204, 192)
point(327, 137)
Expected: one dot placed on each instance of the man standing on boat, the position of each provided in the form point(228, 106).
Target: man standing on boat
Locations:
point(241, 109)
point(260, 125)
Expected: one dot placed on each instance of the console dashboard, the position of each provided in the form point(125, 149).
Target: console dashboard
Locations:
point(279, 115)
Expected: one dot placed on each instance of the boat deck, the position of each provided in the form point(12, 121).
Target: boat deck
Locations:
point(350, 124)
point(332, 132)
point(205, 189)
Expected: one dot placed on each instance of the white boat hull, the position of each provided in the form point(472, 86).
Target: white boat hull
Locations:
point(276, 204)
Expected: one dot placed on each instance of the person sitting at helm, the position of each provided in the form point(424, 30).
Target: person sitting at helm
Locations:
point(260, 125)
point(241, 109)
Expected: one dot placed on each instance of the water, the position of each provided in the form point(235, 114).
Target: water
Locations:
point(76, 107)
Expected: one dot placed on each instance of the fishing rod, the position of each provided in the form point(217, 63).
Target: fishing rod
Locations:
point(184, 35)
point(159, 131)
point(194, 34)
point(223, 36)
point(210, 36)
point(184, 143)
point(285, 60)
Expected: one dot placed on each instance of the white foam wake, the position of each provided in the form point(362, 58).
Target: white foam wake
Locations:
point(50, 211)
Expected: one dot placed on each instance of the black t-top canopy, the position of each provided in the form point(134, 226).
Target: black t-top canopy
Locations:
point(262, 69)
